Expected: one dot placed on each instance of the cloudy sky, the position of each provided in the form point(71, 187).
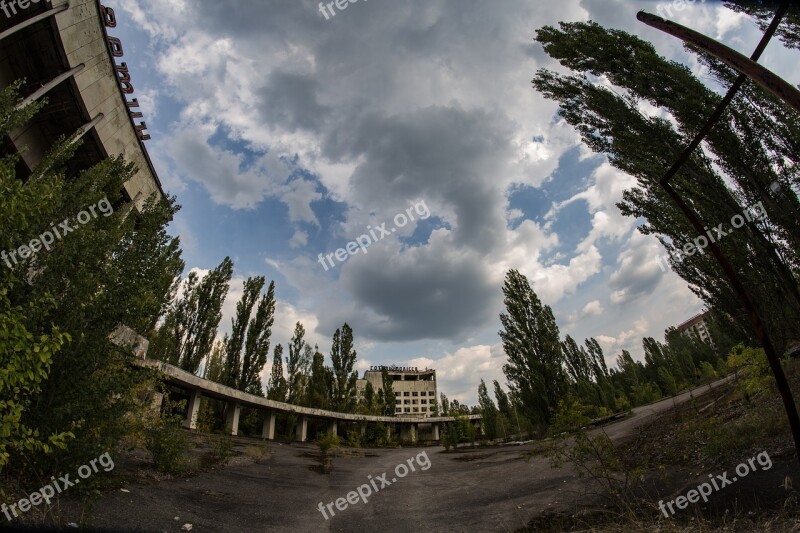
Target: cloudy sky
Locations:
point(286, 135)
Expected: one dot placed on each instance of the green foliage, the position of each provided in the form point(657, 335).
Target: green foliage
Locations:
point(749, 154)
point(320, 387)
point(24, 364)
point(570, 416)
point(667, 382)
point(277, 383)
point(596, 457)
point(343, 357)
point(459, 431)
point(752, 369)
point(247, 347)
point(167, 443)
point(531, 341)
point(221, 449)
point(190, 324)
point(328, 441)
point(376, 436)
point(645, 393)
point(297, 365)
point(489, 412)
point(116, 269)
point(353, 439)
point(389, 399)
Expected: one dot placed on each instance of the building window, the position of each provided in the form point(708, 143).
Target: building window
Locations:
point(431, 393)
point(416, 410)
point(423, 409)
point(405, 393)
point(408, 410)
point(397, 394)
point(406, 402)
point(414, 402)
point(415, 394)
point(423, 402)
point(399, 409)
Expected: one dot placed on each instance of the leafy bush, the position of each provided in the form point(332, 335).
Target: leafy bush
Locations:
point(328, 441)
point(751, 367)
point(221, 449)
point(353, 439)
point(167, 443)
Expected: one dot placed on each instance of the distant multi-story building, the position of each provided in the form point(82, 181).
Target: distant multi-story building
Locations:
point(697, 326)
point(414, 389)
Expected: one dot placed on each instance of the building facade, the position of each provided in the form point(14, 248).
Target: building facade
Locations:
point(414, 389)
point(696, 326)
point(65, 54)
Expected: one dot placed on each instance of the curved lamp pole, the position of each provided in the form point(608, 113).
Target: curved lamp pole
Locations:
point(791, 96)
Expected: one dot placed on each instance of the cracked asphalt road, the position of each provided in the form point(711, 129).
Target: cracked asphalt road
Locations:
point(495, 490)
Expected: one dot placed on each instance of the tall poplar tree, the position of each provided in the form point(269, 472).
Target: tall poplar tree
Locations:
point(190, 324)
point(489, 412)
point(343, 357)
point(247, 347)
point(321, 382)
point(297, 366)
point(389, 399)
point(531, 342)
point(277, 382)
point(743, 183)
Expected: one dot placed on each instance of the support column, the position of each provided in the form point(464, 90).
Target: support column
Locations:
point(232, 418)
point(301, 431)
point(192, 409)
point(436, 431)
point(414, 432)
point(268, 429)
point(333, 427)
point(44, 89)
point(33, 20)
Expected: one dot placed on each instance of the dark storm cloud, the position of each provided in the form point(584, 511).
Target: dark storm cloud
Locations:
point(445, 154)
point(290, 101)
point(421, 296)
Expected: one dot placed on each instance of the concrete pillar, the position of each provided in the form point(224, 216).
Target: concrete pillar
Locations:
point(44, 89)
point(33, 20)
point(414, 432)
point(232, 418)
point(268, 429)
point(333, 427)
point(192, 409)
point(301, 431)
point(436, 432)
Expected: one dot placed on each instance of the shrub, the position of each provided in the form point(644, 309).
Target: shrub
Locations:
point(328, 441)
point(353, 439)
point(167, 443)
point(221, 449)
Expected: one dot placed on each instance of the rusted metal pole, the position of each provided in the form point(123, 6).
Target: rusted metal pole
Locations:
point(762, 76)
point(767, 80)
point(758, 325)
